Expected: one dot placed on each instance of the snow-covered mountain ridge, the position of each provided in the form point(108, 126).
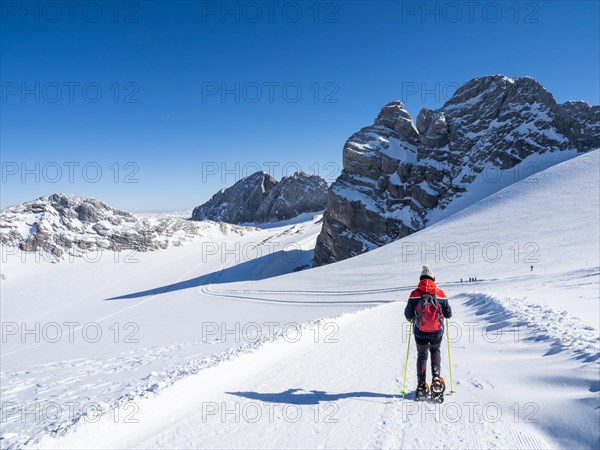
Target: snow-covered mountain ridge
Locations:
point(62, 224)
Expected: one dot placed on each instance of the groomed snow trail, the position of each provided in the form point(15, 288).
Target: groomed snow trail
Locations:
point(339, 386)
point(525, 340)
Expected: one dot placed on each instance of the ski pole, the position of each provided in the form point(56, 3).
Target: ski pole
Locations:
point(406, 365)
point(449, 359)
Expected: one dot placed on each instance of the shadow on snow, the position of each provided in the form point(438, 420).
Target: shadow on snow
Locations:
point(302, 397)
point(267, 266)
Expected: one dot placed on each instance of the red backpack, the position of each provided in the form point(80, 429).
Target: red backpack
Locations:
point(428, 314)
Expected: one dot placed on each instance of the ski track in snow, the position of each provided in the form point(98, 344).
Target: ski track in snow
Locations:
point(498, 313)
point(535, 364)
point(365, 395)
point(48, 381)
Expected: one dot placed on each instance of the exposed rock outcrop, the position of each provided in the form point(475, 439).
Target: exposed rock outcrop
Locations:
point(398, 178)
point(259, 198)
point(293, 196)
point(238, 203)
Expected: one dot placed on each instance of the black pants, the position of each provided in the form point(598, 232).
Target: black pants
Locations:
point(424, 346)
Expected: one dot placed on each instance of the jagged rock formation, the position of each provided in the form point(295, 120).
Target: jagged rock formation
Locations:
point(238, 203)
point(259, 198)
point(62, 224)
point(398, 178)
point(293, 196)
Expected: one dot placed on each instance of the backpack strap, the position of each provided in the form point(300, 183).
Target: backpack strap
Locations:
point(418, 306)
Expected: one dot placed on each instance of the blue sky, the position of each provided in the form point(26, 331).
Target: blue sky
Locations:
point(156, 105)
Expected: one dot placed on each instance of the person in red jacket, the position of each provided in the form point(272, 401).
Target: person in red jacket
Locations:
point(427, 307)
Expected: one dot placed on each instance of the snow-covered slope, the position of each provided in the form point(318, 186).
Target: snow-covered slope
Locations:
point(149, 313)
point(525, 343)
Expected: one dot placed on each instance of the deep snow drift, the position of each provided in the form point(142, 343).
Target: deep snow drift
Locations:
point(206, 372)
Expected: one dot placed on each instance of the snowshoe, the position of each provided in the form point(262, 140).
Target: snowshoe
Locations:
point(437, 389)
point(421, 392)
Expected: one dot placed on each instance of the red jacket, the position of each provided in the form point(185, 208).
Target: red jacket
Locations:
point(429, 287)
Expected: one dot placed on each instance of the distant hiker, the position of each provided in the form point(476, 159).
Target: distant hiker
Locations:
point(531, 269)
point(427, 307)
point(461, 280)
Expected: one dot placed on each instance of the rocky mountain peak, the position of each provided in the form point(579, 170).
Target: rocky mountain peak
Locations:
point(395, 117)
point(398, 178)
point(292, 196)
point(85, 209)
point(493, 91)
point(260, 198)
point(238, 203)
